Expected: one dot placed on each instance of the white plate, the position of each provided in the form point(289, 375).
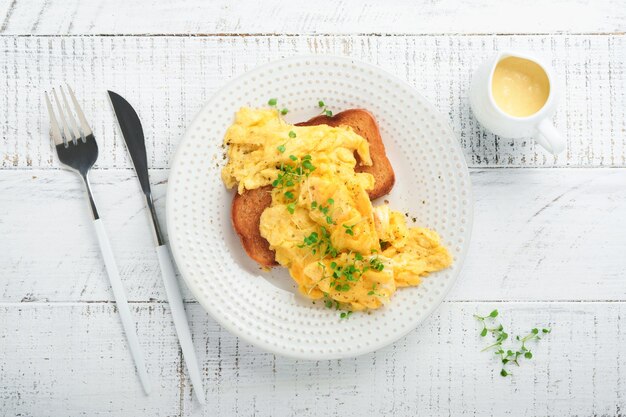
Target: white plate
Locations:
point(265, 309)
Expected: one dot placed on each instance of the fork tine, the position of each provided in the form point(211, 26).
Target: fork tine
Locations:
point(55, 132)
point(74, 127)
point(86, 130)
point(67, 133)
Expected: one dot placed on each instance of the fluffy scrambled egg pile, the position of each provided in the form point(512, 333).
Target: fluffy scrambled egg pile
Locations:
point(321, 223)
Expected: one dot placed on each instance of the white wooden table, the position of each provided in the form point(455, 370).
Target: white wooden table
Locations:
point(549, 241)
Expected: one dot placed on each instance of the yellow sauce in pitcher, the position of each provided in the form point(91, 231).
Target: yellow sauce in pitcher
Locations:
point(520, 87)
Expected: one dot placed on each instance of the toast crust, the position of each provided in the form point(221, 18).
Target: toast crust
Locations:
point(248, 207)
point(246, 217)
point(365, 125)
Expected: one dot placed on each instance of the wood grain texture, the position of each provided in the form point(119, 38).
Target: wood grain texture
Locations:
point(323, 16)
point(541, 234)
point(75, 363)
point(72, 360)
point(168, 79)
point(547, 247)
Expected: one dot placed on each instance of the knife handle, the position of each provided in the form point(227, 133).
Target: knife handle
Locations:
point(122, 304)
point(180, 320)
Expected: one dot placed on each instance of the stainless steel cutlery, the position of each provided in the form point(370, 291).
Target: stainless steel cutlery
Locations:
point(130, 125)
point(77, 149)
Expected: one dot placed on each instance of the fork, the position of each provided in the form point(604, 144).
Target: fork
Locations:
point(77, 149)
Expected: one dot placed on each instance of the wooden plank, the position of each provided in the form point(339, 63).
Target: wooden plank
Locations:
point(70, 359)
point(437, 370)
point(168, 79)
point(324, 16)
point(541, 234)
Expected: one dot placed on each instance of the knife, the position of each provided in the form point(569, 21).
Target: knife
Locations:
point(135, 144)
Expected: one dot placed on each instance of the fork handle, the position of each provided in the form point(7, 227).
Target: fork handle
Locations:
point(122, 304)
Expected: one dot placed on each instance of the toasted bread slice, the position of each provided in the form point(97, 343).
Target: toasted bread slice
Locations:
point(364, 124)
point(246, 216)
point(248, 207)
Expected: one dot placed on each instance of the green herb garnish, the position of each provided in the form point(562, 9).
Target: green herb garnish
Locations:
point(289, 175)
point(345, 314)
point(272, 102)
point(319, 243)
point(324, 108)
point(325, 210)
point(376, 264)
point(497, 331)
point(373, 291)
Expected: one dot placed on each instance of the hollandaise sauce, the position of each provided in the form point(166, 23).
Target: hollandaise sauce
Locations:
point(321, 223)
point(520, 87)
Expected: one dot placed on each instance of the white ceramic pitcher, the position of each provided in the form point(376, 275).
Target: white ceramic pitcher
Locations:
point(539, 125)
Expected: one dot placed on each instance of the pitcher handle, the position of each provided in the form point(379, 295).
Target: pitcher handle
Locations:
point(549, 137)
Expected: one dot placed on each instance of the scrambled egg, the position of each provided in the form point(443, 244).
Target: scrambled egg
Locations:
point(321, 223)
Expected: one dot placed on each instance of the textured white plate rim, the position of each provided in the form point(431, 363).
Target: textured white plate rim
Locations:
point(173, 237)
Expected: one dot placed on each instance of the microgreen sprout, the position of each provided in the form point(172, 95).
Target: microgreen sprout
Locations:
point(289, 175)
point(324, 108)
point(319, 243)
point(329, 302)
point(273, 102)
point(345, 314)
point(509, 355)
point(376, 264)
point(282, 148)
point(343, 277)
point(324, 209)
point(373, 291)
point(349, 230)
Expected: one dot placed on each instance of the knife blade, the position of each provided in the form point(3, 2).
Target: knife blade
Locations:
point(132, 132)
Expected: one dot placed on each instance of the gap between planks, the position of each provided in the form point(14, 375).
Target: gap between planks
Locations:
point(303, 34)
